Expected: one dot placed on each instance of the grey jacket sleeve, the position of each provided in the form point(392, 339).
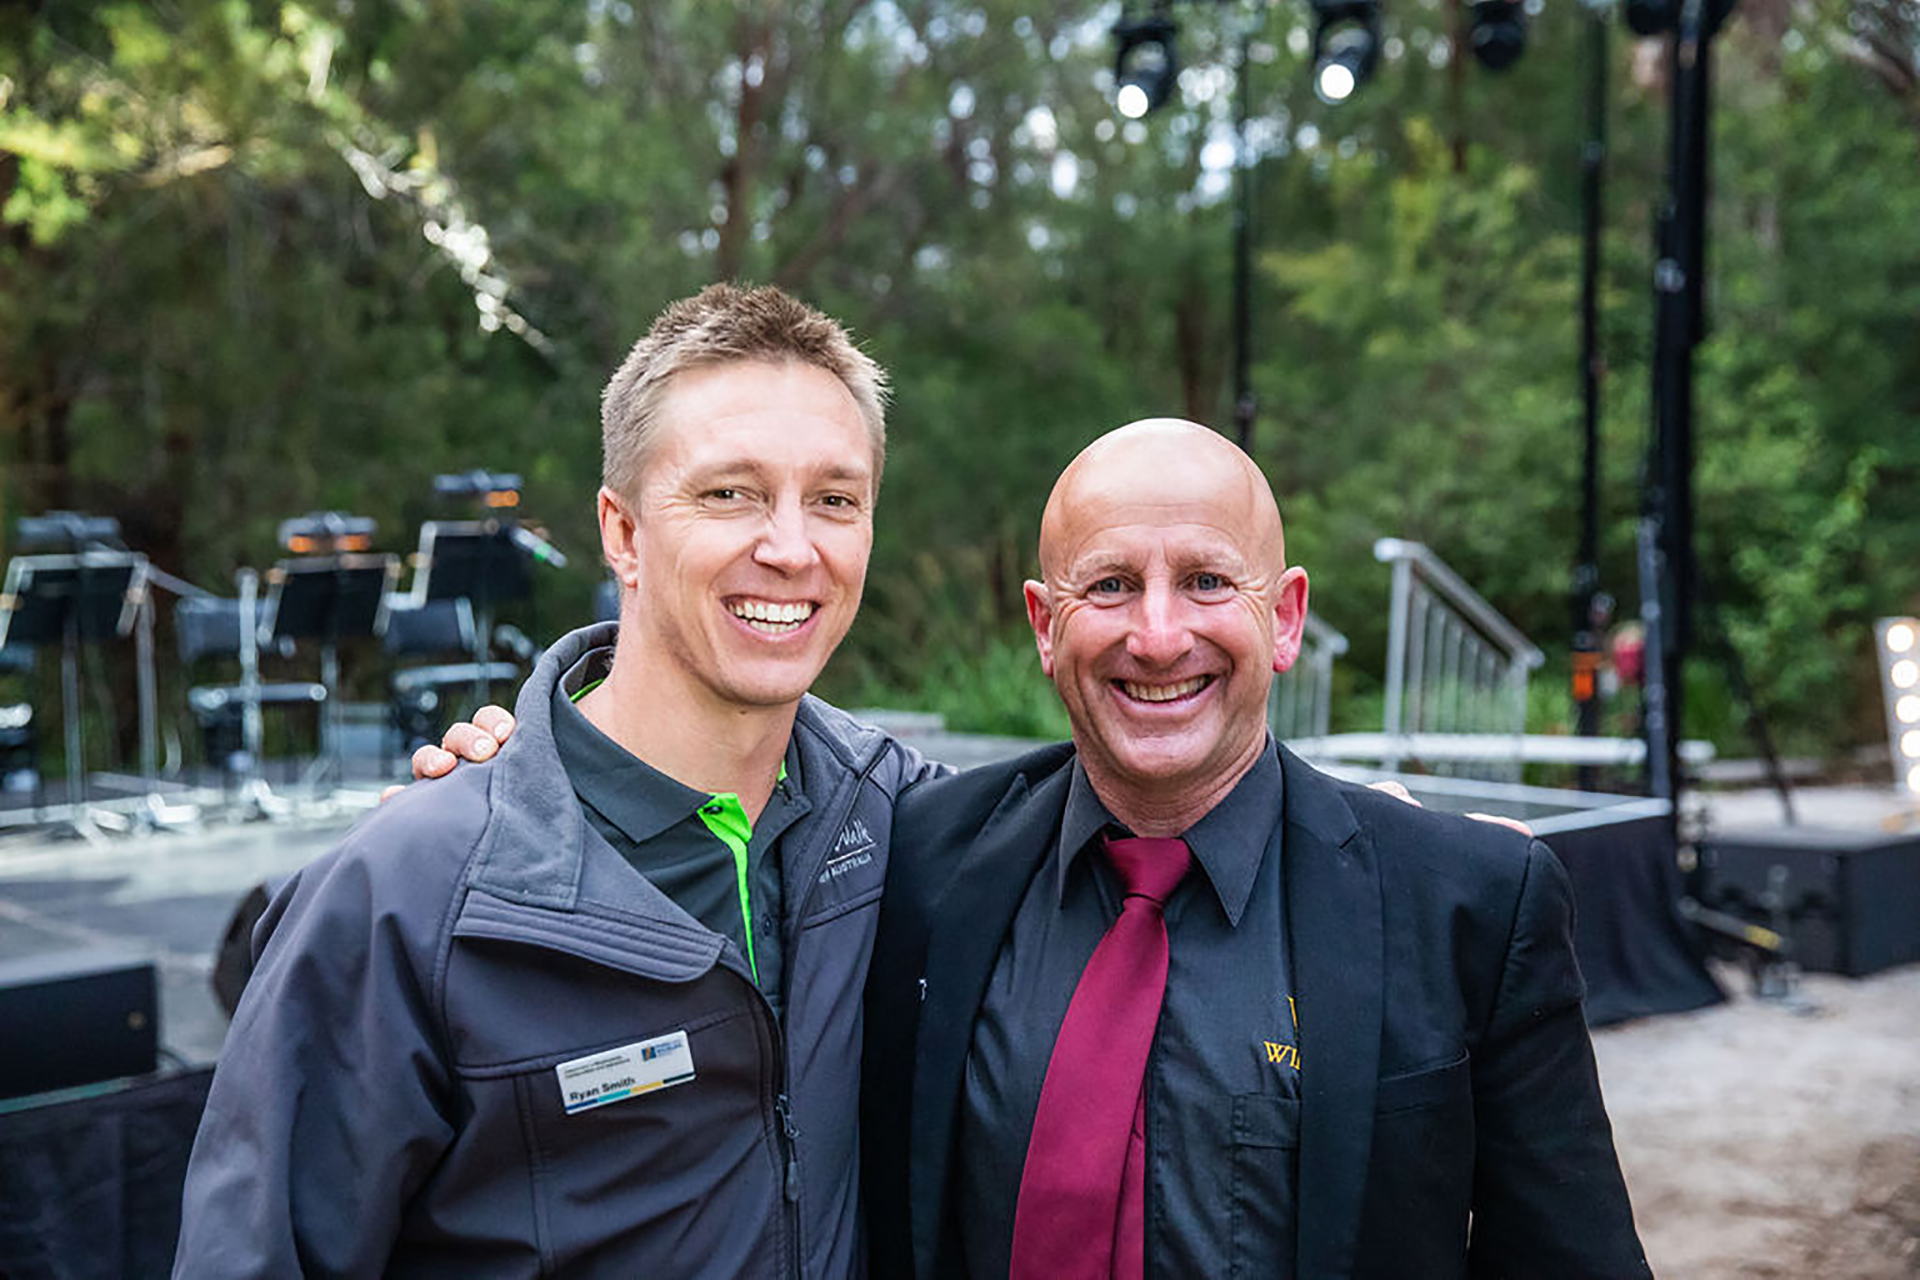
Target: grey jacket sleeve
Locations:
point(1548, 1198)
point(328, 1107)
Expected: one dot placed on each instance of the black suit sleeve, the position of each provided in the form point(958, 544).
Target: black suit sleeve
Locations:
point(1548, 1198)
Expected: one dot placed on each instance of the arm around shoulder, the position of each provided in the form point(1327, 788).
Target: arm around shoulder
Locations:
point(1548, 1196)
point(328, 1105)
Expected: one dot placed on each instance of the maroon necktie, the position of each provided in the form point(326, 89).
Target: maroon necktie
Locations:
point(1081, 1211)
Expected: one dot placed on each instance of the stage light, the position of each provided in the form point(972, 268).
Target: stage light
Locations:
point(1499, 33)
point(1898, 636)
point(1651, 17)
point(1346, 45)
point(1145, 64)
point(327, 533)
point(1335, 83)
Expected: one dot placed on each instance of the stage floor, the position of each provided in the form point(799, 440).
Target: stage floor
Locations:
point(164, 896)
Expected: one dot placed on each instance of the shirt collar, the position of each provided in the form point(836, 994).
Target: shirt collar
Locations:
point(1228, 842)
point(624, 789)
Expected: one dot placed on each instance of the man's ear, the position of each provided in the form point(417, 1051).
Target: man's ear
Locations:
point(1040, 618)
point(618, 540)
point(1289, 617)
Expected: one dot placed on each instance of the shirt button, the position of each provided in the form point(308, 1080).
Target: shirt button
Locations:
point(713, 809)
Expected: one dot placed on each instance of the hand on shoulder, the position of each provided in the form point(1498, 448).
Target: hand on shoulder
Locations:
point(1399, 792)
point(478, 740)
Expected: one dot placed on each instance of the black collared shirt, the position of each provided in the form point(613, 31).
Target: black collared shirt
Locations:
point(1223, 1083)
point(657, 825)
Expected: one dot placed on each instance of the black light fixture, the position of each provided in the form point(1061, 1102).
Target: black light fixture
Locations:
point(1658, 17)
point(1145, 64)
point(1346, 45)
point(1499, 33)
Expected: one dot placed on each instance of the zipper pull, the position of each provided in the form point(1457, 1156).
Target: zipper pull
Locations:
point(783, 1108)
point(923, 991)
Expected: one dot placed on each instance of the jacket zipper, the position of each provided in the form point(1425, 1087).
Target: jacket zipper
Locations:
point(783, 1104)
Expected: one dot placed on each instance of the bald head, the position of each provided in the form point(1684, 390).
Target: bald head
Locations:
point(1164, 610)
point(1158, 463)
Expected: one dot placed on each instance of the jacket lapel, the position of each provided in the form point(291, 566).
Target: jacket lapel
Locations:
point(970, 920)
point(1334, 927)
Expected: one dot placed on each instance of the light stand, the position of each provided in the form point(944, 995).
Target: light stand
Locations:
point(1679, 280)
point(1590, 606)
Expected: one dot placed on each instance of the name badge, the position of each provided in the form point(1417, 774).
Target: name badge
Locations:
point(613, 1074)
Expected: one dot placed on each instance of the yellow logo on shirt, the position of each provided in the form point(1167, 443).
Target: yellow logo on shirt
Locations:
point(1286, 1055)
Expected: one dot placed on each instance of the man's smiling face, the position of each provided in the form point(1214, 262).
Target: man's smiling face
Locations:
point(1165, 610)
point(751, 531)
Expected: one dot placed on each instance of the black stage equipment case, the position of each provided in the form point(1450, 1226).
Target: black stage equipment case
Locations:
point(1848, 900)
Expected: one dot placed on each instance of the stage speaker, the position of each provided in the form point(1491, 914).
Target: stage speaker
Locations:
point(75, 1017)
point(1849, 900)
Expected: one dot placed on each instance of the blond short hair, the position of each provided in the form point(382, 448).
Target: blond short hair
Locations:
point(722, 324)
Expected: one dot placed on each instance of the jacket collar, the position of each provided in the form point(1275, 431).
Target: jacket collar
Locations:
point(537, 841)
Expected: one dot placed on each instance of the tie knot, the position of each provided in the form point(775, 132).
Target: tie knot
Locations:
point(1151, 866)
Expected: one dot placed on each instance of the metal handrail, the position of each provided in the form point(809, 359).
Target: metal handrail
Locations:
point(1455, 591)
point(1479, 660)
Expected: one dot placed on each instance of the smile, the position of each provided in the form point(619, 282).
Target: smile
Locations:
point(771, 617)
point(1142, 692)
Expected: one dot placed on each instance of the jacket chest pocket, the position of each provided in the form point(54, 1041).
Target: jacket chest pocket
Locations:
point(1264, 1153)
point(660, 1175)
point(669, 1147)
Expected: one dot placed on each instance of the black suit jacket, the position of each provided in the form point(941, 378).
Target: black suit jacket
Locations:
point(1451, 1121)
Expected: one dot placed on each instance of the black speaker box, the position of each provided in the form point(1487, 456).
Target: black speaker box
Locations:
point(75, 1017)
point(1849, 900)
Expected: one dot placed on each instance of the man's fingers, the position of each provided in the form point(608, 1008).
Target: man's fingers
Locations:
point(470, 742)
point(497, 721)
point(1397, 791)
point(1495, 818)
point(392, 791)
point(431, 761)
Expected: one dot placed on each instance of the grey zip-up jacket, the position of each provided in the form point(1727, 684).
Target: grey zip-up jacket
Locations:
point(388, 1100)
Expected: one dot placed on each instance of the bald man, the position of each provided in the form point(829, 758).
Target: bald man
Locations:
point(1168, 1001)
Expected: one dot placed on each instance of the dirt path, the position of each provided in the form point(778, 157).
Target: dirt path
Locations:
point(1759, 1141)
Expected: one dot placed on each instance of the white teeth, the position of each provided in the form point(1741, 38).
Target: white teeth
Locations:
point(1163, 692)
point(771, 617)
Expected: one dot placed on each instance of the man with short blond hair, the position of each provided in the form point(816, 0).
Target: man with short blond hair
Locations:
point(588, 1008)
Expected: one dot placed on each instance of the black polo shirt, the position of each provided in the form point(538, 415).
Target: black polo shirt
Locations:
point(695, 846)
point(1223, 1083)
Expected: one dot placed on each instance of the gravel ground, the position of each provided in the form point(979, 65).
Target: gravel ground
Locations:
point(1762, 1139)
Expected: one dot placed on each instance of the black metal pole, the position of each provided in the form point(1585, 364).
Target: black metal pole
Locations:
point(1588, 616)
point(1679, 324)
point(1244, 406)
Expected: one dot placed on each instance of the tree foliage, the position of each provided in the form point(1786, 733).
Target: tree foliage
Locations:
point(259, 257)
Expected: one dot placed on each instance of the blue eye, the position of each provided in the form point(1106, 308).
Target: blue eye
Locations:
point(1107, 586)
point(1209, 582)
